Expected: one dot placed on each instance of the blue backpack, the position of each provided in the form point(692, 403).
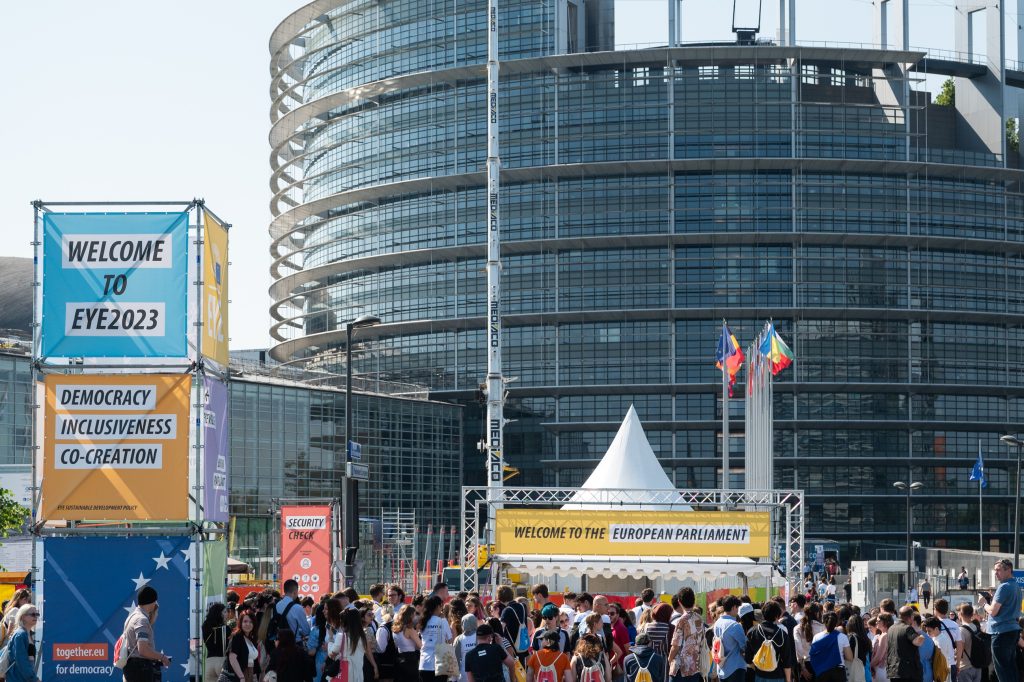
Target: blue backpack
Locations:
point(825, 653)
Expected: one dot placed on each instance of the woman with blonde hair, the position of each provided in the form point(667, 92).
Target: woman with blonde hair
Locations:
point(9, 624)
point(20, 653)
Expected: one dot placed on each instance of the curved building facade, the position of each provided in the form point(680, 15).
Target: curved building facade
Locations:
point(647, 194)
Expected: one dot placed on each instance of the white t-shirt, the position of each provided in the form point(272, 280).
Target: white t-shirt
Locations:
point(466, 643)
point(953, 628)
point(639, 611)
point(583, 626)
point(437, 629)
point(842, 641)
point(945, 644)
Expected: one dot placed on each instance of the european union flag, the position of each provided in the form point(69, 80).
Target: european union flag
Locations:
point(978, 472)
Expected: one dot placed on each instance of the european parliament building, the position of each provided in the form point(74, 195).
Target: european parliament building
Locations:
point(648, 194)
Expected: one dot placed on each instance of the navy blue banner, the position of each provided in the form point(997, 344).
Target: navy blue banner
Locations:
point(90, 585)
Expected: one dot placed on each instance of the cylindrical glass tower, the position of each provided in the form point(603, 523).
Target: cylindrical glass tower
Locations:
point(647, 195)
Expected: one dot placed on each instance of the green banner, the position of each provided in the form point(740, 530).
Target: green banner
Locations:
point(215, 572)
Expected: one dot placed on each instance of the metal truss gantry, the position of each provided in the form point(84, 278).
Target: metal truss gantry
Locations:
point(786, 508)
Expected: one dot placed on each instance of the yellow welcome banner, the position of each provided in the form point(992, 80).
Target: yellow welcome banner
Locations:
point(632, 533)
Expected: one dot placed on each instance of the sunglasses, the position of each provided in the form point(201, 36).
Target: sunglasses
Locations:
point(34, 614)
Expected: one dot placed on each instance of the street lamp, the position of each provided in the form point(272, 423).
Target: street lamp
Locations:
point(1019, 444)
point(350, 486)
point(916, 485)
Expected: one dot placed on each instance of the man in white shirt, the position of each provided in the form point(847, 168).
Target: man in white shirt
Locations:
point(942, 613)
point(568, 606)
point(647, 600)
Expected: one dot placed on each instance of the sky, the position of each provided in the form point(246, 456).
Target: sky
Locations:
point(115, 100)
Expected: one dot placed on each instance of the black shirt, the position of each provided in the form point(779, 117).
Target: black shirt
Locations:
point(213, 638)
point(781, 641)
point(485, 662)
point(512, 618)
point(903, 661)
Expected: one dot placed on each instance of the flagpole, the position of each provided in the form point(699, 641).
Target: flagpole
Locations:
point(725, 412)
point(981, 525)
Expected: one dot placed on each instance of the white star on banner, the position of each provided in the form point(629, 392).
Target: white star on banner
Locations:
point(190, 552)
point(161, 561)
point(140, 582)
point(131, 608)
point(186, 667)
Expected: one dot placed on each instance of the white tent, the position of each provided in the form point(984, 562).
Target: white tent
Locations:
point(629, 465)
point(630, 478)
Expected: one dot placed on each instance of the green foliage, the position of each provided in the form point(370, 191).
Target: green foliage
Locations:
point(1012, 135)
point(947, 95)
point(12, 514)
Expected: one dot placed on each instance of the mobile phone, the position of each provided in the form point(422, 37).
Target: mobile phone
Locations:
point(987, 596)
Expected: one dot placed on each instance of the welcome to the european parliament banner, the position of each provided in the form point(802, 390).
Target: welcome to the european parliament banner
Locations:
point(632, 533)
point(115, 285)
point(89, 590)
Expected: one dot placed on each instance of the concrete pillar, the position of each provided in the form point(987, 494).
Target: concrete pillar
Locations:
point(981, 101)
point(892, 24)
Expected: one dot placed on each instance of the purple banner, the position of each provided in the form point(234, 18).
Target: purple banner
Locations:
point(215, 436)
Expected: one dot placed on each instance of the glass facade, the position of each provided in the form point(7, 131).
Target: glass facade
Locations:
point(646, 195)
point(287, 442)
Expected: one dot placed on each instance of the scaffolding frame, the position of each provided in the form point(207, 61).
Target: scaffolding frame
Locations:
point(786, 508)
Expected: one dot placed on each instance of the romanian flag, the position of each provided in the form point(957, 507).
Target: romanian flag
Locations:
point(729, 355)
point(775, 349)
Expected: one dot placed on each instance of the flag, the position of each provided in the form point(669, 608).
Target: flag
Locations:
point(978, 472)
point(775, 349)
point(729, 355)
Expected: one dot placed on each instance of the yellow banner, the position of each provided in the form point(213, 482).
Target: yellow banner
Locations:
point(115, 447)
point(215, 291)
point(632, 533)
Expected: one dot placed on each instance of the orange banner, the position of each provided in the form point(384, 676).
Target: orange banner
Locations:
point(115, 447)
point(306, 548)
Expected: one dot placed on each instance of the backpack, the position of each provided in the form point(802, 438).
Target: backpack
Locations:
point(279, 621)
point(547, 673)
point(704, 657)
point(642, 673)
point(824, 655)
point(594, 672)
point(523, 638)
point(120, 654)
point(940, 666)
point(765, 659)
point(981, 648)
point(717, 647)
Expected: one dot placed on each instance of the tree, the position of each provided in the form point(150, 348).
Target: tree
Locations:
point(12, 514)
point(947, 95)
point(1012, 135)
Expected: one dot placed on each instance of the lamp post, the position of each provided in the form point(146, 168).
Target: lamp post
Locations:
point(909, 488)
point(350, 486)
point(1019, 444)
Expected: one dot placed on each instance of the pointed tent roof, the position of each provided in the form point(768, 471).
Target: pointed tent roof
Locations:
point(629, 464)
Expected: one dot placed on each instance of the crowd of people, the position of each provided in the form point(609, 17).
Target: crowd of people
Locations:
point(438, 637)
point(591, 638)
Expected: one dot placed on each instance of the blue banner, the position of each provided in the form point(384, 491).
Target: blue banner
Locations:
point(115, 285)
point(90, 587)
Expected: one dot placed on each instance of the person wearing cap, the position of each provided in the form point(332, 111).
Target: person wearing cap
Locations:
point(144, 661)
point(644, 656)
point(550, 655)
point(483, 663)
point(466, 642)
point(549, 623)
